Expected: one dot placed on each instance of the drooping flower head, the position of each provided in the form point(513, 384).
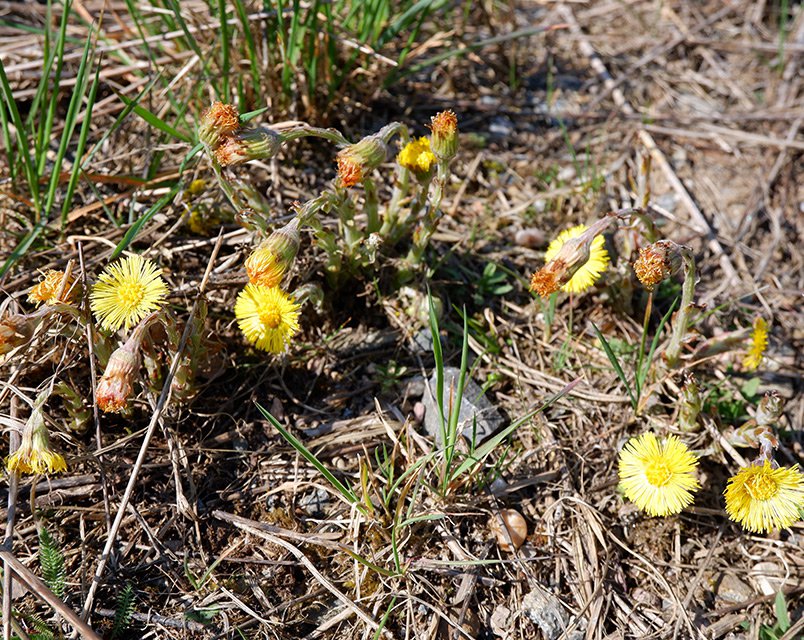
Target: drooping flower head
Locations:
point(444, 139)
point(34, 454)
point(218, 121)
point(248, 144)
point(574, 260)
point(15, 331)
point(269, 262)
point(126, 292)
point(761, 498)
point(359, 159)
point(759, 342)
point(417, 157)
point(659, 477)
point(116, 386)
point(657, 262)
point(267, 316)
point(48, 288)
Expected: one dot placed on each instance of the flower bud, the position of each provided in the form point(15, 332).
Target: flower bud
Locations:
point(358, 159)
point(444, 138)
point(116, 385)
point(770, 409)
point(216, 122)
point(273, 258)
point(15, 330)
point(246, 145)
point(49, 287)
point(657, 262)
point(690, 405)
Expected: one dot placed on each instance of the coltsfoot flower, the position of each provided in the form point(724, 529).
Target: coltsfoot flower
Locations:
point(218, 121)
point(269, 262)
point(126, 292)
point(657, 262)
point(116, 385)
point(761, 498)
point(444, 128)
point(359, 159)
point(267, 316)
point(34, 454)
point(574, 261)
point(658, 477)
point(246, 145)
point(47, 290)
point(417, 157)
point(759, 342)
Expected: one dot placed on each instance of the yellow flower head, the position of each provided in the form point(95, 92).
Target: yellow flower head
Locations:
point(34, 454)
point(759, 342)
point(48, 289)
point(126, 292)
point(267, 316)
point(417, 157)
point(584, 274)
point(658, 477)
point(763, 498)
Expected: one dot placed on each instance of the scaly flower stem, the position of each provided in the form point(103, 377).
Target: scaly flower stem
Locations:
point(427, 227)
point(682, 318)
point(306, 131)
point(371, 206)
point(391, 213)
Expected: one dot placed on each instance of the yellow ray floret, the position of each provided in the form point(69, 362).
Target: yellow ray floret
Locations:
point(658, 477)
point(761, 498)
point(417, 157)
point(126, 292)
point(759, 342)
point(589, 272)
point(267, 316)
point(34, 454)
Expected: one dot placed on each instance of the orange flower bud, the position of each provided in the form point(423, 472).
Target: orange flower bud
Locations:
point(216, 122)
point(444, 138)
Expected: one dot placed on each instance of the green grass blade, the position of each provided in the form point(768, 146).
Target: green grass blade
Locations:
point(155, 121)
point(294, 442)
point(242, 15)
point(79, 152)
point(23, 145)
point(23, 246)
point(642, 371)
point(438, 358)
point(7, 144)
point(193, 44)
point(225, 44)
point(134, 229)
point(489, 445)
point(616, 364)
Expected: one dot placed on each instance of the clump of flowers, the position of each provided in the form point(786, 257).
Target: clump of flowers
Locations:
point(575, 260)
point(34, 455)
point(126, 292)
point(759, 343)
point(762, 497)
point(54, 287)
point(659, 477)
point(267, 316)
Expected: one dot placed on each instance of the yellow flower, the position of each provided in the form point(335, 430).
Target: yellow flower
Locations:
point(763, 498)
point(267, 316)
point(417, 157)
point(34, 454)
point(759, 342)
point(48, 288)
point(658, 477)
point(126, 292)
point(588, 273)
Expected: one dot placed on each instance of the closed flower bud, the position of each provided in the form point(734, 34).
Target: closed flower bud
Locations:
point(216, 122)
point(273, 258)
point(444, 138)
point(116, 386)
point(47, 290)
point(15, 330)
point(248, 144)
point(657, 262)
point(359, 159)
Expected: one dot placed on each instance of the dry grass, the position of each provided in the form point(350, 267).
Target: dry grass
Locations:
point(219, 539)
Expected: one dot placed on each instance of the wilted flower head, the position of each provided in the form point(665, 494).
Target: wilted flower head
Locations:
point(575, 260)
point(15, 330)
point(271, 260)
point(658, 477)
point(116, 386)
point(761, 498)
point(359, 159)
point(770, 409)
point(759, 342)
point(444, 139)
point(267, 316)
point(126, 292)
point(48, 288)
point(34, 454)
point(248, 144)
point(657, 262)
point(216, 122)
point(417, 157)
